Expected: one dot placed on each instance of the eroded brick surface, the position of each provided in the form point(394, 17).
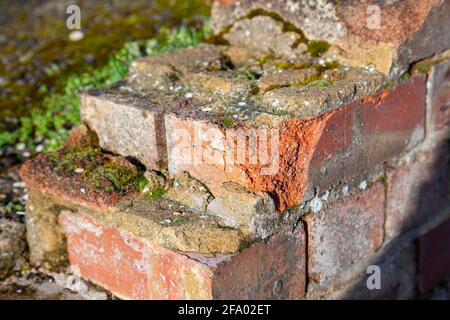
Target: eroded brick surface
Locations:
point(129, 266)
point(440, 96)
point(129, 126)
point(417, 192)
point(359, 137)
point(344, 233)
point(272, 270)
point(390, 44)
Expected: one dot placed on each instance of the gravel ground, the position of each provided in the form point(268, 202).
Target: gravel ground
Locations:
point(36, 285)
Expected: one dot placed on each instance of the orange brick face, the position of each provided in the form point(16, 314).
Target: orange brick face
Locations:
point(129, 266)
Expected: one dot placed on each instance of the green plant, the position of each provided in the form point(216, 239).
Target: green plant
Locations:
point(228, 122)
point(318, 47)
point(51, 126)
point(155, 193)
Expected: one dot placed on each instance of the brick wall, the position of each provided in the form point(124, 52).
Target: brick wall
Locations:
point(361, 182)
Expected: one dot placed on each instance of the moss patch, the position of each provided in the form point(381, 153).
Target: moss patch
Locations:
point(97, 169)
point(155, 193)
point(317, 47)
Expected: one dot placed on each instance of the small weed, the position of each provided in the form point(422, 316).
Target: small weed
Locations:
point(179, 220)
point(52, 125)
point(228, 122)
point(155, 193)
point(318, 47)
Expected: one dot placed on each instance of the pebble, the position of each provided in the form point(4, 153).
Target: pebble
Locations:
point(79, 170)
point(18, 184)
point(76, 35)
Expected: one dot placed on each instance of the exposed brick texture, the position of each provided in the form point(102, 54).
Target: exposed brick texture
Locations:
point(128, 126)
point(362, 135)
point(129, 266)
point(440, 97)
point(134, 268)
point(397, 274)
point(434, 250)
point(272, 270)
point(418, 192)
point(342, 234)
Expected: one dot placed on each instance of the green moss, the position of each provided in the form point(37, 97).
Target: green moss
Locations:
point(321, 83)
point(384, 180)
point(228, 122)
point(265, 59)
point(289, 65)
point(60, 111)
point(318, 47)
point(179, 220)
point(423, 68)
point(330, 65)
point(99, 170)
point(155, 193)
point(246, 243)
point(142, 182)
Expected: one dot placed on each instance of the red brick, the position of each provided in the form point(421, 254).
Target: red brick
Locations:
point(398, 276)
point(440, 96)
point(434, 251)
point(337, 135)
point(361, 136)
point(344, 233)
point(417, 192)
point(202, 149)
point(398, 111)
point(129, 266)
point(272, 270)
point(133, 268)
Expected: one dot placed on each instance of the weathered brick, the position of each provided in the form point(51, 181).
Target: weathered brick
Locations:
point(272, 270)
point(129, 266)
point(127, 125)
point(417, 191)
point(134, 268)
point(396, 119)
point(343, 234)
point(390, 47)
point(239, 208)
point(439, 94)
point(214, 154)
point(165, 72)
point(359, 137)
point(397, 266)
point(434, 256)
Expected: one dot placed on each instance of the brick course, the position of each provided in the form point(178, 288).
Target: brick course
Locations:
point(344, 233)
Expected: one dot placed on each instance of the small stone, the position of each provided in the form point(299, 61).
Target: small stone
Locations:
point(18, 184)
point(76, 35)
point(363, 185)
point(189, 192)
point(21, 146)
point(79, 170)
point(253, 213)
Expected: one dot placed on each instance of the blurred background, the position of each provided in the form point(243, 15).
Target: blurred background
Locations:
point(44, 65)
